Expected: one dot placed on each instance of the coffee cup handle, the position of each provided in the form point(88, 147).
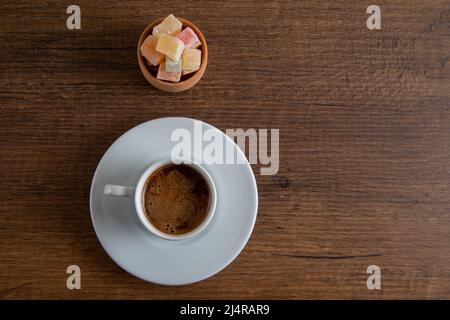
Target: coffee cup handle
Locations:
point(119, 191)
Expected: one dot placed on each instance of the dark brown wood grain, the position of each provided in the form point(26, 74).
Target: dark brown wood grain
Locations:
point(364, 120)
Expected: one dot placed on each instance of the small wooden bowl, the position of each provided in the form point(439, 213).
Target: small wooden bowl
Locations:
point(190, 80)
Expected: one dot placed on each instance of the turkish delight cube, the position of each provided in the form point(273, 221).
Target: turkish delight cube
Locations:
point(170, 46)
point(148, 50)
point(191, 59)
point(173, 65)
point(163, 74)
point(189, 38)
point(170, 26)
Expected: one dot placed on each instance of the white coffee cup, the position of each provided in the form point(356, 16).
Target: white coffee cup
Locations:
point(138, 193)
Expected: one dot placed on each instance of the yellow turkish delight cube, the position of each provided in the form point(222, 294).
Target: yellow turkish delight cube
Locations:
point(191, 59)
point(170, 46)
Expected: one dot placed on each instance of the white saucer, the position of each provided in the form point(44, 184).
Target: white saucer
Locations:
point(147, 256)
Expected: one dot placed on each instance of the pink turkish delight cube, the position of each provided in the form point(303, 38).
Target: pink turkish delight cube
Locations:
point(189, 38)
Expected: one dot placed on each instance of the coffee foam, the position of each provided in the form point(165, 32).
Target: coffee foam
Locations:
point(176, 199)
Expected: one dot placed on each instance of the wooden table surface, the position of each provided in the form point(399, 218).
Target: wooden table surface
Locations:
point(364, 120)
